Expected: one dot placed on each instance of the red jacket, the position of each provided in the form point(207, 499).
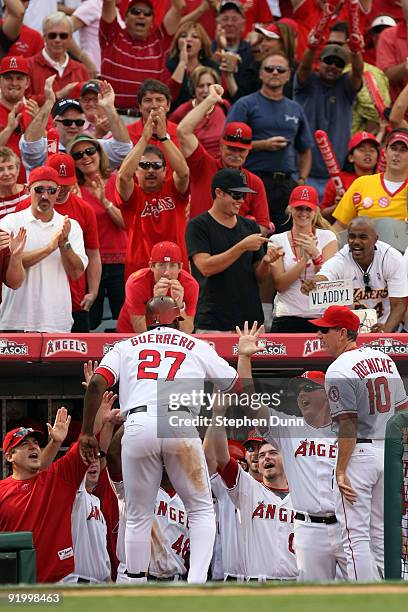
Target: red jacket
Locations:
point(40, 70)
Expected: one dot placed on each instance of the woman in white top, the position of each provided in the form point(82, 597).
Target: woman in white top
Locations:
point(305, 248)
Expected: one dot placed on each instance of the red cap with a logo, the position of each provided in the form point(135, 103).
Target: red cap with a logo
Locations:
point(14, 63)
point(65, 166)
point(304, 195)
point(338, 316)
point(166, 251)
point(315, 376)
point(360, 137)
point(17, 435)
point(253, 436)
point(236, 450)
point(398, 136)
point(270, 31)
point(237, 134)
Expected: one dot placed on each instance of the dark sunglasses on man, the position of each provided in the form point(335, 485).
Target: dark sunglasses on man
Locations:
point(154, 165)
point(334, 61)
point(54, 35)
point(136, 10)
point(40, 189)
point(70, 122)
point(278, 69)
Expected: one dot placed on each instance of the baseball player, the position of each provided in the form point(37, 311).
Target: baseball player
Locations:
point(141, 365)
point(265, 508)
point(228, 564)
point(364, 390)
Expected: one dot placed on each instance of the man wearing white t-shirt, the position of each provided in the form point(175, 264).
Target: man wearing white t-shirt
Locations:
point(377, 272)
point(54, 250)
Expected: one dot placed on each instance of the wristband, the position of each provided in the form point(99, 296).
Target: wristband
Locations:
point(318, 260)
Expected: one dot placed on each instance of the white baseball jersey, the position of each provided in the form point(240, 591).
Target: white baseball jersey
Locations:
point(43, 302)
point(231, 535)
point(89, 537)
point(178, 362)
point(170, 536)
point(365, 382)
point(387, 277)
point(309, 463)
point(267, 526)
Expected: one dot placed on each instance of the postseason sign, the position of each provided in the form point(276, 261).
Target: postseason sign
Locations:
point(331, 293)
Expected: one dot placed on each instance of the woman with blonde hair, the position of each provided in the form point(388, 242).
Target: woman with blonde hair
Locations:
point(210, 129)
point(97, 185)
point(305, 248)
point(191, 47)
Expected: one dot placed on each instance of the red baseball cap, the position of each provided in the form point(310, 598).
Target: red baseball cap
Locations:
point(14, 63)
point(253, 436)
point(43, 173)
point(236, 450)
point(17, 435)
point(237, 134)
point(338, 316)
point(398, 136)
point(270, 31)
point(360, 137)
point(291, 23)
point(65, 166)
point(314, 375)
point(130, 3)
point(166, 251)
point(304, 195)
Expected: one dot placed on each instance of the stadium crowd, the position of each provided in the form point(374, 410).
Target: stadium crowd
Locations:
point(168, 148)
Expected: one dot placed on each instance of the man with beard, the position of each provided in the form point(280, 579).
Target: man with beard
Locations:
point(377, 272)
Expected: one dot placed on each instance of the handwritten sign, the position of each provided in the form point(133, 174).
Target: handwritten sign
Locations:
point(368, 318)
point(331, 293)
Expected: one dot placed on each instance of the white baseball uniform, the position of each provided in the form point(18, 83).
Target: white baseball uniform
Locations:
point(309, 463)
point(230, 531)
point(89, 539)
point(267, 526)
point(149, 367)
point(170, 537)
point(364, 383)
point(387, 274)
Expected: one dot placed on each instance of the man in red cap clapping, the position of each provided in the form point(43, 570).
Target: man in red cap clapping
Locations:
point(54, 251)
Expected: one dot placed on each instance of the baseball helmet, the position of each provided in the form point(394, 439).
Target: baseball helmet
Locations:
point(236, 450)
point(162, 311)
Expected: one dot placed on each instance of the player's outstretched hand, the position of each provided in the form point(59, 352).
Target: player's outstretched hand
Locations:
point(59, 431)
point(89, 369)
point(345, 487)
point(88, 448)
point(248, 339)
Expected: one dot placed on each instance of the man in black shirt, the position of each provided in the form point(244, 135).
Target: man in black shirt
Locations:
point(228, 257)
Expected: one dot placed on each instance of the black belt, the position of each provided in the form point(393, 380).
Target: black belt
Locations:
point(144, 409)
point(363, 441)
point(151, 578)
point(83, 580)
point(327, 520)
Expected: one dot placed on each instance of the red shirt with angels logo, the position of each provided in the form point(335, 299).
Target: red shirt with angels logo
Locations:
point(150, 218)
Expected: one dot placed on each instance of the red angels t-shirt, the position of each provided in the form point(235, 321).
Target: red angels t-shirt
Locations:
point(202, 169)
point(28, 43)
point(136, 130)
point(329, 195)
point(139, 290)
point(150, 218)
point(76, 208)
point(43, 505)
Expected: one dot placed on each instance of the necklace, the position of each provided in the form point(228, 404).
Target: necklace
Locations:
point(366, 275)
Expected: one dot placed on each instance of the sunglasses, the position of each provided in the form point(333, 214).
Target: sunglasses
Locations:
point(309, 388)
point(89, 151)
point(50, 190)
point(146, 165)
point(135, 10)
point(325, 330)
point(235, 138)
point(278, 69)
point(70, 122)
point(54, 35)
point(334, 61)
point(237, 195)
point(366, 281)
point(23, 431)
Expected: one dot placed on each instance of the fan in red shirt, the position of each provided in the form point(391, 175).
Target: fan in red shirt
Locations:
point(40, 500)
point(153, 206)
point(138, 52)
point(54, 59)
point(15, 110)
point(164, 276)
point(235, 146)
point(362, 157)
